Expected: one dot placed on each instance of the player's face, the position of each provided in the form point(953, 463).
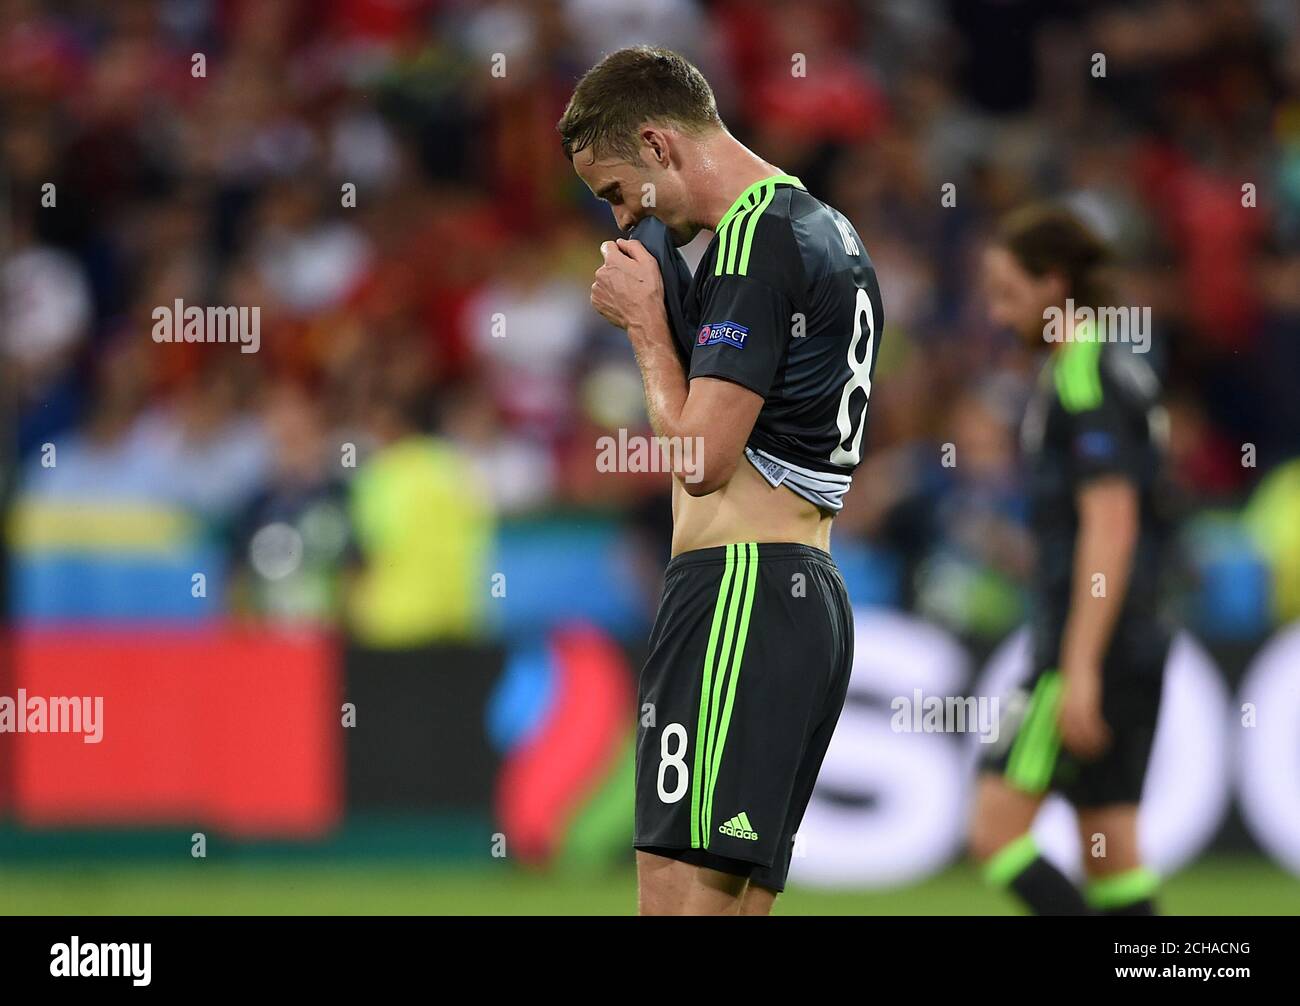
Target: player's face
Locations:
point(1016, 298)
point(637, 190)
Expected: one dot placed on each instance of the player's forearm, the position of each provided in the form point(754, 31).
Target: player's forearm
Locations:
point(661, 375)
point(682, 411)
point(1103, 562)
point(666, 394)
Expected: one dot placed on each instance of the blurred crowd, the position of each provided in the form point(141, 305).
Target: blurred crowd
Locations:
point(382, 178)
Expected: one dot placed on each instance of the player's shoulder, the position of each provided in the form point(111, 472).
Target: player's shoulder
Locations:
point(755, 239)
point(781, 234)
point(1126, 369)
point(827, 241)
point(1092, 375)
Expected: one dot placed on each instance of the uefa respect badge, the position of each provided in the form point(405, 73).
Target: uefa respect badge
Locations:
point(728, 332)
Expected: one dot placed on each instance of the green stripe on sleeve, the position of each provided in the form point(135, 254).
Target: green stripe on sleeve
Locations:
point(746, 197)
point(752, 226)
point(734, 233)
point(1078, 376)
point(727, 236)
point(724, 234)
point(733, 245)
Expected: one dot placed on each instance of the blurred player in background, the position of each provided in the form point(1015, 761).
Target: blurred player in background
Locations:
point(764, 360)
point(1085, 721)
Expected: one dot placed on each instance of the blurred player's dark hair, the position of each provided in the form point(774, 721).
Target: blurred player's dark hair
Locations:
point(1049, 238)
point(630, 87)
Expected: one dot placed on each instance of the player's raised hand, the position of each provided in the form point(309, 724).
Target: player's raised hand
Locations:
point(628, 286)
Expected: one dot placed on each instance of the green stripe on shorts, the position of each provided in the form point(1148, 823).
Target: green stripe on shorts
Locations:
point(742, 634)
point(1033, 755)
point(697, 771)
point(719, 676)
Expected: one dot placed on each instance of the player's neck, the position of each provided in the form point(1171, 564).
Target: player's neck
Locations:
point(727, 169)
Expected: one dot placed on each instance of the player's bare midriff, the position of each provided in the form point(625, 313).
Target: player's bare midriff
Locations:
point(746, 509)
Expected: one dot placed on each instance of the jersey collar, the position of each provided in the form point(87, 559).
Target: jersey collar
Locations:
point(745, 196)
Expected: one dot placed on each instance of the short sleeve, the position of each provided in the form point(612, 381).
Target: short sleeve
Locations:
point(1102, 442)
point(744, 332)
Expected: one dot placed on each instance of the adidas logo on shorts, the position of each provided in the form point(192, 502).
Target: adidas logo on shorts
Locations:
point(739, 827)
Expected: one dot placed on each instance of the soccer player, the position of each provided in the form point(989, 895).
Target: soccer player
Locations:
point(764, 357)
point(1087, 717)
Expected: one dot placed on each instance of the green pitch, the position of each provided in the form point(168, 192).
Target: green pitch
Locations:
point(1212, 887)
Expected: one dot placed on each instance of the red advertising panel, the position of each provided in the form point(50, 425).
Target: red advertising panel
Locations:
point(228, 729)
